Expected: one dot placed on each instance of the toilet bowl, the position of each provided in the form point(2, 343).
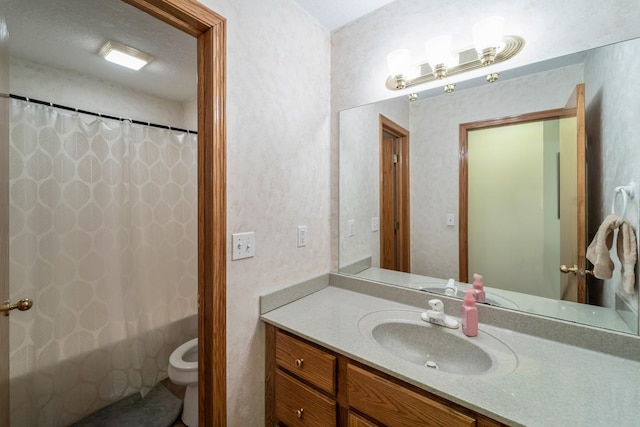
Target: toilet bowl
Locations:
point(183, 370)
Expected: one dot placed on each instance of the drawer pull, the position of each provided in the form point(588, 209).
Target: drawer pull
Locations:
point(299, 413)
point(299, 362)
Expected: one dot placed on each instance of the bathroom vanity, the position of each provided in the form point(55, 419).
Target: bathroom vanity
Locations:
point(309, 385)
point(341, 351)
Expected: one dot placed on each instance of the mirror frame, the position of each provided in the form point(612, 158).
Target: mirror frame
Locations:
point(209, 28)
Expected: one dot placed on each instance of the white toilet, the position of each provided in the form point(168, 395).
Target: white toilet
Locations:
point(183, 370)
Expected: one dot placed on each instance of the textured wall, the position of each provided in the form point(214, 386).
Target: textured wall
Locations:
point(613, 131)
point(359, 176)
point(74, 89)
point(278, 172)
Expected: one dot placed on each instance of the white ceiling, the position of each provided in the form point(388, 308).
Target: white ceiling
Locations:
point(333, 14)
point(67, 34)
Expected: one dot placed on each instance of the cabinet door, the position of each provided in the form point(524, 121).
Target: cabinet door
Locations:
point(300, 406)
point(396, 406)
point(355, 420)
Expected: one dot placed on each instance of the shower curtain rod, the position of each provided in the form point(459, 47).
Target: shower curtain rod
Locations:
point(105, 116)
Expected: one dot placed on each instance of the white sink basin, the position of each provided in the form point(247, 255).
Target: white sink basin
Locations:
point(405, 335)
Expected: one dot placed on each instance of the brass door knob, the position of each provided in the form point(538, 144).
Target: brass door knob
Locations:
point(575, 270)
point(22, 305)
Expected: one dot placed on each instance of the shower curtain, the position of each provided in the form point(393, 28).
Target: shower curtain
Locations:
point(103, 238)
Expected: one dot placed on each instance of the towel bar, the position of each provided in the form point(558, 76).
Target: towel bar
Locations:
point(628, 192)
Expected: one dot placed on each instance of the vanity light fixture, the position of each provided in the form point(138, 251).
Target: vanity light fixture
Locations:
point(399, 62)
point(490, 47)
point(438, 50)
point(124, 55)
point(487, 37)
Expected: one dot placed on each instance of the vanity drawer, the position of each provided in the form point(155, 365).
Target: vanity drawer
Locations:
point(300, 405)
point(306, 361)
point(396, 406)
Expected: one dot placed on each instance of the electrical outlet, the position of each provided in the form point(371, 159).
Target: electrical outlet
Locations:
point(302, 236)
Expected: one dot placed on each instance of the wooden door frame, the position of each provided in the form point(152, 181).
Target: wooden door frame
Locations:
point(389, 126)
point(209, 28)
point(463, 194)
point(4, 221)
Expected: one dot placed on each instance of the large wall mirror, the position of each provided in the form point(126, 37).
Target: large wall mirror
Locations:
point(528, 207)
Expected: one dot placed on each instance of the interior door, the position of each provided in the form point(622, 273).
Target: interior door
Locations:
point(4, 222)
point(573, 200)
point(387, 204)
point(394, 197)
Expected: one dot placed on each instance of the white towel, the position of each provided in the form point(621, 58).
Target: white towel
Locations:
point(628, 255)
point(598, 251)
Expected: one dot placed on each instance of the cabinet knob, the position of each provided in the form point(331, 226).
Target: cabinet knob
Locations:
point(299, 413)
point(299, 362)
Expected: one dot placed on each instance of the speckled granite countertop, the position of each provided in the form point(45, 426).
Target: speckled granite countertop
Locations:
point(554, 384)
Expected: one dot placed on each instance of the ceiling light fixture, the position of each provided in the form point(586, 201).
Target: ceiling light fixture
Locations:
point(490, 47)
point(125, 56)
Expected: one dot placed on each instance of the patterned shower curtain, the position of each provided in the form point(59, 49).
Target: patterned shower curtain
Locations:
point(103, 229)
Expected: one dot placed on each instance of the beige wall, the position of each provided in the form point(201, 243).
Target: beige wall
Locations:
point(506, 186)
point(277, 173)
point(612, 127)
point(360, 176)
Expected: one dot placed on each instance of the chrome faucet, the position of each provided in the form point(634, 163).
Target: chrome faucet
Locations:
point(451, 289)
point(437, 317)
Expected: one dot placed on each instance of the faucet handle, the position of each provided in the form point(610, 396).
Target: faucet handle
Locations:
point(436, 305)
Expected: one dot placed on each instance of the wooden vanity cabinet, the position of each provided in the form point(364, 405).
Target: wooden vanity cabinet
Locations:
point(308, 385)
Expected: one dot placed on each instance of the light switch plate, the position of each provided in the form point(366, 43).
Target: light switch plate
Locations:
point(244, 245)
point(375, 224)
point(451, 219)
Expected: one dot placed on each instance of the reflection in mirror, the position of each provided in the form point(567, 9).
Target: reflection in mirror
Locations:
point(434, 123)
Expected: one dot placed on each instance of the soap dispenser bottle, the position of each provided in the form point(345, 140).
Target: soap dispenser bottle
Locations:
point(469, 315)
point(480, 294)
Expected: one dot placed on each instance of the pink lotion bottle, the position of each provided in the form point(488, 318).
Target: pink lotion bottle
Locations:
point(481, 296)
point(469, 314)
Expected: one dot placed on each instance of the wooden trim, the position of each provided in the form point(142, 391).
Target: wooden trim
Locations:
point(463, 205)
point(190, 16)
point(269, 375)
point(463, 184)
point(581, 191)
point(4, 226)
point(193, 18)
point(557, 113)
